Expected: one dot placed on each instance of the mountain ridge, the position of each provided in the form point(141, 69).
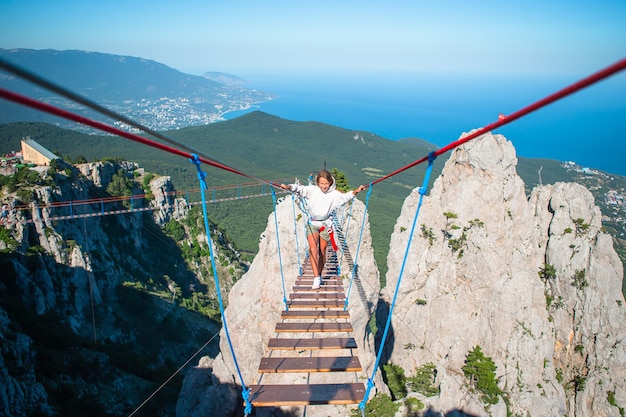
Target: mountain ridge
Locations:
point(144, 90)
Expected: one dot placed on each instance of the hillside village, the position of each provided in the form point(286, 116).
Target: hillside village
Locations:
point(609, 191)
point(167, 113)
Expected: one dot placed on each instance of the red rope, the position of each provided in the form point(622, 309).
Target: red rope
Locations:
point(585, 82)
point(17, 98)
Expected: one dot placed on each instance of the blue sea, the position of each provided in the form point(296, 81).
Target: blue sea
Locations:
point(588, 127)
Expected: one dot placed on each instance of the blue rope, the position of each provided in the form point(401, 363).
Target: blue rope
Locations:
point(422, 191)
point(280, 259)
point(245, 392)
point(295, 228)
point(345, 233)
point(358, 248)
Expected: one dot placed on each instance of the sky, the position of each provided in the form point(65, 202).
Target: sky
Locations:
point(246, 37)
point(450, 44)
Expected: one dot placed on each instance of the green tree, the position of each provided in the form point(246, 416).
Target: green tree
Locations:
point(481, 372)
point(424, 380)
point(175, 230)
point(341, 181)
point(120, 185)
point(396, 380)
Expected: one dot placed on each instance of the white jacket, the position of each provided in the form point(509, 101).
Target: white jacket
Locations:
point(321, 204)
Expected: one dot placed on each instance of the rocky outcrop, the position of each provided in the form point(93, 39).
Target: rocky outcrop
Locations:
point(534, 282)
point(164, 203)
point(74, 309)
point(254, 306)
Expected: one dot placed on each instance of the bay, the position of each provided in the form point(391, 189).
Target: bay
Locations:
point(587, 127)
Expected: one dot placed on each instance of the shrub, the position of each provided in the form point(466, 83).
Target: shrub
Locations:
point(7, 237)
point(379, 406)
point(25, 195)
point(456, 244)
point(476, 223)
point(396, 380)
point(175, 230)
point(146, 181)
point(610, 396)
point(548, 271)
point(413, 405)
point(579, 280)
point(427, 233)
point(579, 382)
point(424, 380)
point(559, 375)
point(581, 226)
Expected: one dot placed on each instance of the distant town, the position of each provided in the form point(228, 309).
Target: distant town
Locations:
point(167, 113)
point(609, 192)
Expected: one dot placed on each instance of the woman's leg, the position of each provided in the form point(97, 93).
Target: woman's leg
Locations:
point(322, 257)
point(314, 251)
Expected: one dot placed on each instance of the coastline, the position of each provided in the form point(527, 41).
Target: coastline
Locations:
point(580, 128)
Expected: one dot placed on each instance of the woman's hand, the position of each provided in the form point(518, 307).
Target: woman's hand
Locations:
point(359, 189)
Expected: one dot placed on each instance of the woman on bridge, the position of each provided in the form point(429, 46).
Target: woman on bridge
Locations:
point(321, 200)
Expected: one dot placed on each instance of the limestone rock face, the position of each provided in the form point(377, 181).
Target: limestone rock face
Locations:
point(100, 173)
point(472, 278)
point(72, 269)
point(255, 304)
point(166, 205)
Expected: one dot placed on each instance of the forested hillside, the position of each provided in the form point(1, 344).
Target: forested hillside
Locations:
point(274, 149)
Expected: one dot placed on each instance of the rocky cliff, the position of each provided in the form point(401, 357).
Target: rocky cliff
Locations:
point(91, 316)
point(534, 282)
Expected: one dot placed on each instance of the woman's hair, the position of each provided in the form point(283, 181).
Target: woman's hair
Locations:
point(326, 175)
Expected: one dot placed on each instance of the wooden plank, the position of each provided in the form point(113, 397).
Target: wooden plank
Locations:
point(316, 364)
point(315, 304)
point(325, 281)
point(313, 295)
point(315, 314)
point(309, 275)
point(306, 394)
point(325, 287)
point(312, 344)
point(313, 327)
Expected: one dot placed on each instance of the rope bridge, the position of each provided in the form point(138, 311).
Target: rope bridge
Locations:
point(322, 311)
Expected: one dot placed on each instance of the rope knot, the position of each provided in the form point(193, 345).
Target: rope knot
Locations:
point(245, 393)
point(195, 159)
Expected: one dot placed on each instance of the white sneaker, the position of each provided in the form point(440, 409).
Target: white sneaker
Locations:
point(317, 282)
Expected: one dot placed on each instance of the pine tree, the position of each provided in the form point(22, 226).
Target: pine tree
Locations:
point(481, 371)
point(341, 182)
